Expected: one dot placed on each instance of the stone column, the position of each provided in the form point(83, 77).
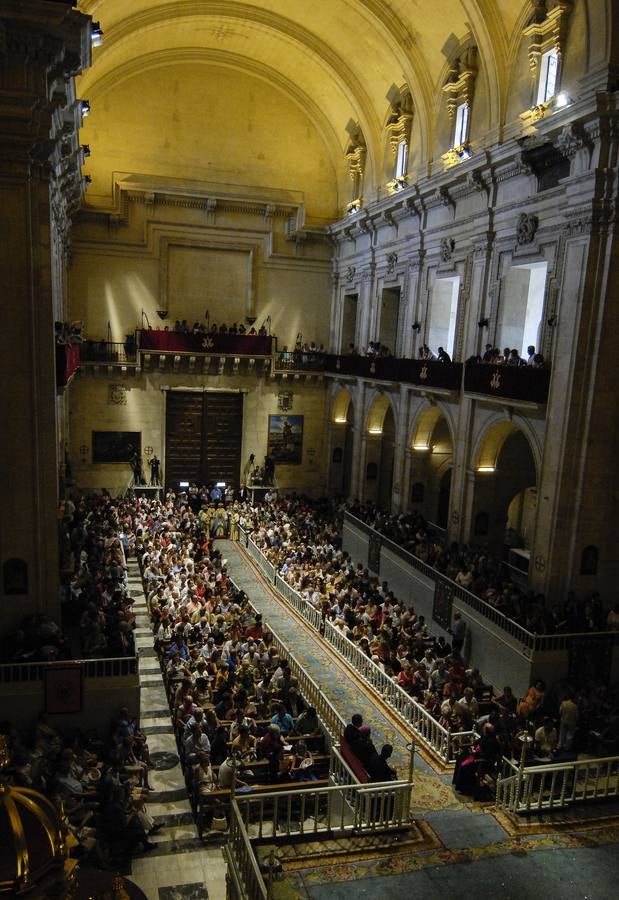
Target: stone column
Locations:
point(398, 494)
point(43, 44)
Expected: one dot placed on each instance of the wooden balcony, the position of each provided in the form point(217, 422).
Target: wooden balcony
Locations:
point(523, 383)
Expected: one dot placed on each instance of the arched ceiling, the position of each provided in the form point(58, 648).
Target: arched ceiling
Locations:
point(336, 60)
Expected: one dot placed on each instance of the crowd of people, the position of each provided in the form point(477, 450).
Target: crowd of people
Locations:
point(485, 575)
point(237, 708)
point(493, 356)
point(99, 784)
point(302, 540)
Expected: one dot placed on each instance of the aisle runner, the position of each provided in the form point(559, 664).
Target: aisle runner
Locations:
point(431, 792)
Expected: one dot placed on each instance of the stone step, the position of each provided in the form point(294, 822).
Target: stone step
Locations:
point(149, 666)
point(147, 653)
point(150, 679)
point(171, 814)
point(156, 712)
point(158, 728)
point(168, 795)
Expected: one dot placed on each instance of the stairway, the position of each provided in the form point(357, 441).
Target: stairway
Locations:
point(180, 861)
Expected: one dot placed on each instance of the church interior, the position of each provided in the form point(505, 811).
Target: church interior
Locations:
point(360, 252)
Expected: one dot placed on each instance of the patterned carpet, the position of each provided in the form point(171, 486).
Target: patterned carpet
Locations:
point(452, 832)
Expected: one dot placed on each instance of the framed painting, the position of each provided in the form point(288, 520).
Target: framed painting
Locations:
point(285, 443)
point(115, 446)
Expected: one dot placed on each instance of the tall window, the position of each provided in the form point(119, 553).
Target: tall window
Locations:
point(401, 160)
point(462, 124)
point(548, 72)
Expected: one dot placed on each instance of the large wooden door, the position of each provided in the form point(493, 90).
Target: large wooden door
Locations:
point(203, 437)
point(222, 435)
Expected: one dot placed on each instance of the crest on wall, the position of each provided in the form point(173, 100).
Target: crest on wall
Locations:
point(447, 248)
point(284, 401)
point(350, 274)
point(392, 261)
point(526, 228)
point(118, 394)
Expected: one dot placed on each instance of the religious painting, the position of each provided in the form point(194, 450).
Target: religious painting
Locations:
point(63, 689)
point(285, 444)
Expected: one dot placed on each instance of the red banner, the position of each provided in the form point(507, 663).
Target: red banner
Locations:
point(225, 344)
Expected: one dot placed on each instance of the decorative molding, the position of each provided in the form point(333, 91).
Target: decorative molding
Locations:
point(349, 274)
point(526, 228)
point(392, 261)
point(446, 249)
point(117, 395)
point(546, 30)
point(459, 86)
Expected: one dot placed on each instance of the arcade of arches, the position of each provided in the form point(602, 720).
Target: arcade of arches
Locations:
point(349, 174)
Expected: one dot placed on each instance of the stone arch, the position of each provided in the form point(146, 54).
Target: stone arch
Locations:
point(431, 446)
point(342, 405)
point(490, 441)
point(376, 411)
point(506, 465)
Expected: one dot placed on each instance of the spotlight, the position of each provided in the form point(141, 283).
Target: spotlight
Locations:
point(85, 108)
point(162, 313)
point(96, 34)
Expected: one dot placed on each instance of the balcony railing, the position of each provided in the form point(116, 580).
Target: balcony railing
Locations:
point(157, 341)
point(511, 382)
point(109, 352)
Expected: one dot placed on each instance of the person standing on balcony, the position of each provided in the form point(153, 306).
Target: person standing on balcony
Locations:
point(155, 471)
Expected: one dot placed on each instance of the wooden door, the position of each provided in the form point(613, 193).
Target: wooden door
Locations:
point(222, 437)
point(203, 437)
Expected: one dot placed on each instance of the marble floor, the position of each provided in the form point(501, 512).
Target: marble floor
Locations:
point(181, 867)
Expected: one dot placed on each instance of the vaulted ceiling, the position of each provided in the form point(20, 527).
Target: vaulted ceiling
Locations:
point(273, 82)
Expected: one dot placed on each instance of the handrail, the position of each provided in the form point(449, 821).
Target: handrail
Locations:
point(243, 866)
point(556, 785)
point(423, 724)
point(330, 719)
point(534, 643)
point(104, 667)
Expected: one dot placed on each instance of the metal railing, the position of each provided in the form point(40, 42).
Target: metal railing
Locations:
point(108, 352)
point(532, 789)
point(311, 615)
point(332, 723)
point(434, 735)
point(91, 668)
point(425, 727)
point(337, 809)
point(530, 643)
point(242, 866)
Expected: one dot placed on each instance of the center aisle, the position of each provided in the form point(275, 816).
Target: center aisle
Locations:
point(347, 694)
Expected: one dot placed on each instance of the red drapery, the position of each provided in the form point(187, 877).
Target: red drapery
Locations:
point(231, 344)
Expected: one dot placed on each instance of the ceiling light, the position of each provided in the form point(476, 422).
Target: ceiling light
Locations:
point(422, 447)
point(486, 469)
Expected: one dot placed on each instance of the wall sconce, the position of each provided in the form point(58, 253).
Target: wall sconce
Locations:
point(483, 323)
point(552, 321)
point(562, 100)
point(341, 420)
point(84, 108)
point(375, 430)
point(96, 34)
point(416, 326)
point(487, 470)
point(422, 448)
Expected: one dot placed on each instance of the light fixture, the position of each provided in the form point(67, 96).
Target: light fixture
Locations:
point(221, 484)
point(183, 484)
point(422, 448)
point(96, 34)
point(375, 430)
point(341, 420)
point(463, 152)
point(85, 108)
point(562, 100)
point(483, 323)
point(486, 469)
